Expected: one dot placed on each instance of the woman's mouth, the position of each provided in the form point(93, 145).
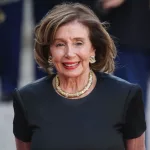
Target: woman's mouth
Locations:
point(71, 65)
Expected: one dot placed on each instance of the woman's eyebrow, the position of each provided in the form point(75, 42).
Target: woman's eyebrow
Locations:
point(62, 39)
point(58, 39)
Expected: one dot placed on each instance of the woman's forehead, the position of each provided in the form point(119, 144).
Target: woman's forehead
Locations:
point(73, 30)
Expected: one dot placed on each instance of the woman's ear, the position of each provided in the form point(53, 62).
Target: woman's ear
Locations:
point(93, 52)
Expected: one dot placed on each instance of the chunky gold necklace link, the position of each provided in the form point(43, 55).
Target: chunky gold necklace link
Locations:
point(73, 95)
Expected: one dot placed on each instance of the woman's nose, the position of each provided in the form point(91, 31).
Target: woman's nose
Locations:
point(70, 52)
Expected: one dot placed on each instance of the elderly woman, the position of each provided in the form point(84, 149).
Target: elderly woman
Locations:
point(79, 105)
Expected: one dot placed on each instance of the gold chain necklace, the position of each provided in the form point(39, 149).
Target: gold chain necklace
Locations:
point(73, 95)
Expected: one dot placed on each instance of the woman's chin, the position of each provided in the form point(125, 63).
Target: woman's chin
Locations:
point(72, 73)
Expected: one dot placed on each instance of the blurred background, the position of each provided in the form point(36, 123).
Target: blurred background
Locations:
point(26, 68)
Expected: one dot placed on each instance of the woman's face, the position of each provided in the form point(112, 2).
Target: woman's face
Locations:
point(72, 49)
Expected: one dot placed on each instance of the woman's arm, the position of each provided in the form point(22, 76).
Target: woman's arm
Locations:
point(136, 143)
point(20, 145)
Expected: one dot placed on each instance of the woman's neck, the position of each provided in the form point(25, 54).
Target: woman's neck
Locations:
point(72, 85)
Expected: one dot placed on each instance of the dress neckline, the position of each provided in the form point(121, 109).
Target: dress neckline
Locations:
point(82, 99)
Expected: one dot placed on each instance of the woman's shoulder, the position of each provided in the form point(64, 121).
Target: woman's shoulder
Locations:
point(35, 86)
point(116, 82)
point(32, 93)
point(122, 91)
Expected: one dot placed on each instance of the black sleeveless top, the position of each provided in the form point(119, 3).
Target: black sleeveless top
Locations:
point(103, 120)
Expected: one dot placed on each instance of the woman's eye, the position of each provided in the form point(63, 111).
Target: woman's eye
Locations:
point(78, 43)
point(59, 44)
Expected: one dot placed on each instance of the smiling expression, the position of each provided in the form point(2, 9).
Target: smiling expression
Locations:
point(72, 49)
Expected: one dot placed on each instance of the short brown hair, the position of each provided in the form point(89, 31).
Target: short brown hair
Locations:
point(67, 12)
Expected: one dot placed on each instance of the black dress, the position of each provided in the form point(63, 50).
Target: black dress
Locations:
point(103, 120)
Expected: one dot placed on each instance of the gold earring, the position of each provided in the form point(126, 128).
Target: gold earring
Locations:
point(51, 65)
point(92, 59)
point(50, 62)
